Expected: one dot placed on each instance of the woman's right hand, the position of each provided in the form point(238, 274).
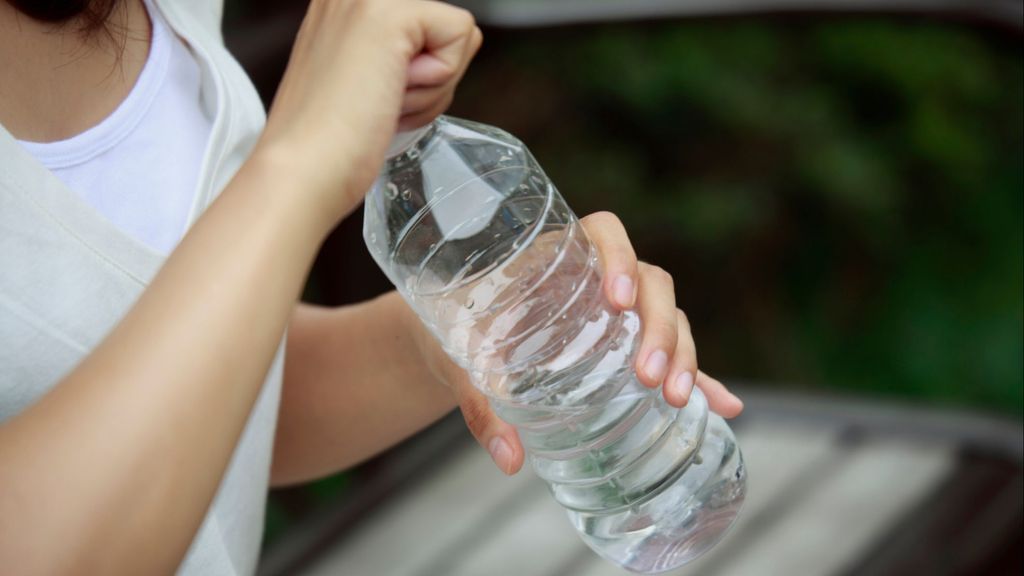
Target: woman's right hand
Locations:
point(359, 70)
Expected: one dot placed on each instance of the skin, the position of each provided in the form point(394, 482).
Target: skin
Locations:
point(39, 63)
point(146, 424)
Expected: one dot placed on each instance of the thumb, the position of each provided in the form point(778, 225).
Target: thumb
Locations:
point(498, 437)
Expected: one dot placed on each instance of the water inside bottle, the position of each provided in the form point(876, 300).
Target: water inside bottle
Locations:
point(471, 231)
point(648, 486)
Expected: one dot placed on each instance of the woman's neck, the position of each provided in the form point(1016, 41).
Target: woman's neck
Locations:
point(56, 82)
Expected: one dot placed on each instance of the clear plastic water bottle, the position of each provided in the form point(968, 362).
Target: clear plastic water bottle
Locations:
point(483, 247)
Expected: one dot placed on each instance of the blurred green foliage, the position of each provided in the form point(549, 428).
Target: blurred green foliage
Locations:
point(839, 200)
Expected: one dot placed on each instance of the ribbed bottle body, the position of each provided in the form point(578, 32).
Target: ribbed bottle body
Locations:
point(648, 486)
point(480, 243)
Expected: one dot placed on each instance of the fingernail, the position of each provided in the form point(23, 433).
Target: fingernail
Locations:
point(655, 365)
point(623, 291)
point(501, 453)
point(684, 385)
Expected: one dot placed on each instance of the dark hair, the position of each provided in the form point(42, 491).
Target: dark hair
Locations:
point(91, 15)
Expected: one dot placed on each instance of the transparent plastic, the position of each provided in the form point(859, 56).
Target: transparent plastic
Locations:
point(476, 238)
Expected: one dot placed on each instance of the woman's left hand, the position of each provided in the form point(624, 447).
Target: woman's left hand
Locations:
point(667, 356)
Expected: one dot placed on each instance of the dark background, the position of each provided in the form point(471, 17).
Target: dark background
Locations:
point(839, 198)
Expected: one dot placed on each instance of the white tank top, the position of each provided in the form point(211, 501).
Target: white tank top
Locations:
point(139, 166)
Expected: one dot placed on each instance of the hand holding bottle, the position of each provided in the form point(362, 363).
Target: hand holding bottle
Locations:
point(536, 306)
point(666, 334)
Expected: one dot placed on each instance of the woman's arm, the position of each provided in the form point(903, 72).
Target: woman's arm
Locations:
point(114, 469)
point(355, 382)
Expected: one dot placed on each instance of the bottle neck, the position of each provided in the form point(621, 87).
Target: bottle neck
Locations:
point(405, 140)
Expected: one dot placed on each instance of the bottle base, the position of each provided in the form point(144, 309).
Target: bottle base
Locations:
point(685, 520)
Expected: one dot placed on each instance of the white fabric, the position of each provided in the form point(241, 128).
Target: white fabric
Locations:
point(139, 166)
point(68, 274)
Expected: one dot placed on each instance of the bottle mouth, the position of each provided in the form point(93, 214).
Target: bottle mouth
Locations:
point(403, 141)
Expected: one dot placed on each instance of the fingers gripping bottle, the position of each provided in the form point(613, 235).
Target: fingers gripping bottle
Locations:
point(479, 242)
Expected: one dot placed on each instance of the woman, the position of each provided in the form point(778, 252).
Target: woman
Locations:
point(143, 381)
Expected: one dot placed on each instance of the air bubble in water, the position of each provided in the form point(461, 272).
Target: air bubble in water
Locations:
point(392, 191)
point(406, 194)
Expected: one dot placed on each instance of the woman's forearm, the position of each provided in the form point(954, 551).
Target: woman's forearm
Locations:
point(356, 382)
point(113, 471)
